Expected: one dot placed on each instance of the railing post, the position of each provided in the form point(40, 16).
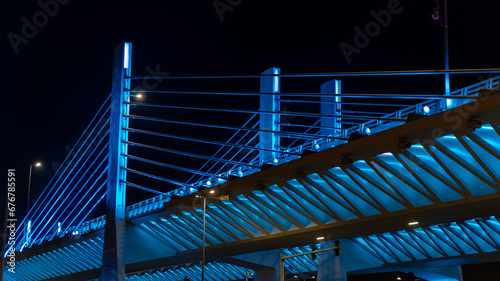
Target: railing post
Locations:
point(268, 140)
point(330, 105)
point(113, 263)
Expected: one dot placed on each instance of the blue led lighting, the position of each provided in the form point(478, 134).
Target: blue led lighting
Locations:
point(449, 168)
point(427, 110)
point(43, 204)
point(126, 52)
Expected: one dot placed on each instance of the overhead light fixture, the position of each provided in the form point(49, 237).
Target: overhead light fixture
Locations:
point(320, 238)
point(413, 223)
point(427, 110)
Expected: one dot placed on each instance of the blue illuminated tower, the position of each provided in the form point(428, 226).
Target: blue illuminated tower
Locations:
point(113, 263)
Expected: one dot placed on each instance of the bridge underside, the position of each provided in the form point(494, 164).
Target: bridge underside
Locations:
point(440, 171)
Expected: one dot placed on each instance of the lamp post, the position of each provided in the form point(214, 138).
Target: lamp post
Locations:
point(213, 193)
point(37, 164)
point(203, 243)
point(28, 222)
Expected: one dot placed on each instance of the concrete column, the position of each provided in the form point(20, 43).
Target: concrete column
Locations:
point(269, 103)
point(352, 257)
point(330, 106)
point(113, 262)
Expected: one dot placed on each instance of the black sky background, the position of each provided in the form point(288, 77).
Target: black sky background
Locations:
point(55, 84)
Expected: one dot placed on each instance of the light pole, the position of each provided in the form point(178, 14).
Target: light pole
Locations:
point(215, 196)
point(37, 164)
point(28, 222)
point(203, 245)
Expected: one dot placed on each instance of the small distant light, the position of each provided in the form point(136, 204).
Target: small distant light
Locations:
point(38, 164)
point(320, 238)
point(209, 183)
point(427, 110)
point(139, 95)
point(367, 131)
point(275, 160)
point(240, 173)
point(212, 191)
point(399, 278)
point(75, 232)
point(413, 223)
point(316, 147)
point(295, 276)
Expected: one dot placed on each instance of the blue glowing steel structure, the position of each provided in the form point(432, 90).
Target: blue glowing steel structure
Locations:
point(113, 264)
point(354, 167)
point(215, 271)
point(456, 239)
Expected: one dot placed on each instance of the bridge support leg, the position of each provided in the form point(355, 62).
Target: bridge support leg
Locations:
point(331, 267)
point(352, 257)
point(113, 263)
point(267, 264)
point(269, 103)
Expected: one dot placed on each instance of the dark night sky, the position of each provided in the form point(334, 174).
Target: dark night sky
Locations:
point(56, 82)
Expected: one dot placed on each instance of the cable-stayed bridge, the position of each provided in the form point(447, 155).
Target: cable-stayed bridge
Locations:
point(248, 181)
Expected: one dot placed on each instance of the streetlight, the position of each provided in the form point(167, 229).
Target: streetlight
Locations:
point(28, 222)
point(213, 194)
point(37, 164)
